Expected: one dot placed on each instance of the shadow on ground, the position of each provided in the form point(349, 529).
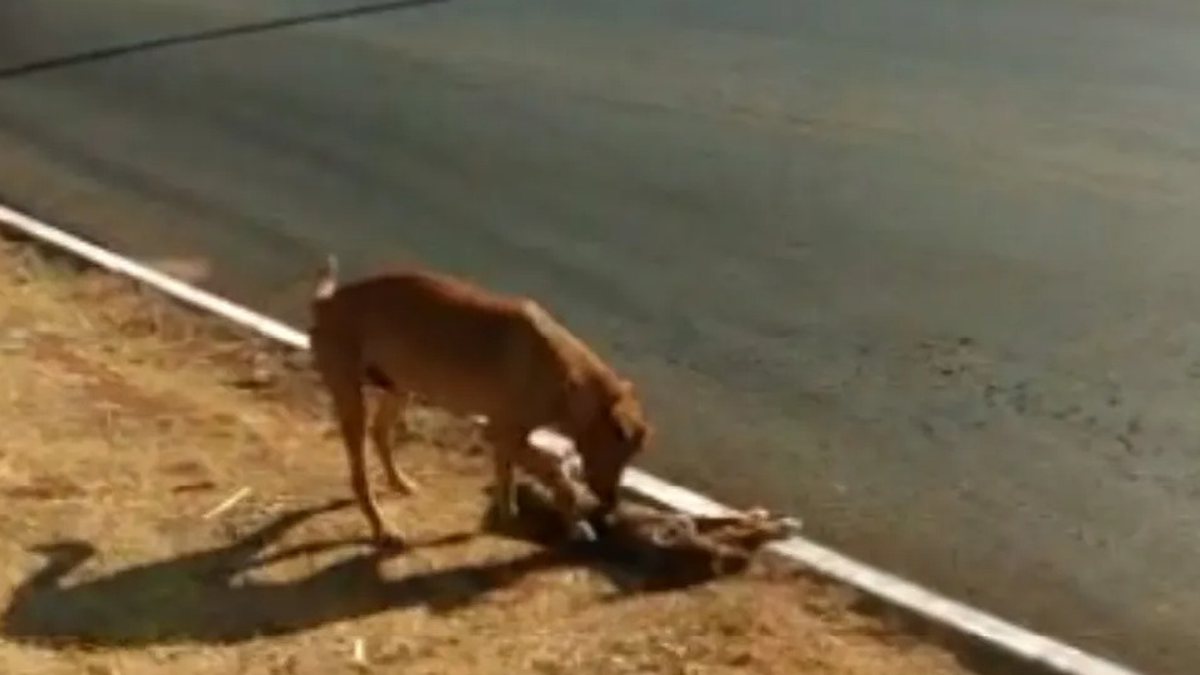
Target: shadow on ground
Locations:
point(208, 597)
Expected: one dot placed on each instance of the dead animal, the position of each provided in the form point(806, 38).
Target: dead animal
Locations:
point(724, 543)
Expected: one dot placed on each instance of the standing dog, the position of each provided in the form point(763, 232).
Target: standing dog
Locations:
point(472, 351)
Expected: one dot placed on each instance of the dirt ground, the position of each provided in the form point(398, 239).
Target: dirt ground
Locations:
point(126, 420)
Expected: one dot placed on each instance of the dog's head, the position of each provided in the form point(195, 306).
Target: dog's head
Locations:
point(616, 432)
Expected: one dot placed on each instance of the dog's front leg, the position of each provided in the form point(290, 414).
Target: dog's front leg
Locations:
point(504, 491)
point(554, 471)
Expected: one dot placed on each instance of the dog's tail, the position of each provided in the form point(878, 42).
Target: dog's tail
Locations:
point(326, 280)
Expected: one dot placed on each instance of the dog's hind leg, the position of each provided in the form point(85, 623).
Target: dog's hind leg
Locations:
point(383, 427)
point(350, 408)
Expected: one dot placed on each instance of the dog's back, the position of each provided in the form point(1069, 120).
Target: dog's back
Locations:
point(461, 347)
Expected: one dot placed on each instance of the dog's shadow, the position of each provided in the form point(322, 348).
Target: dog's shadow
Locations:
point(211, 597)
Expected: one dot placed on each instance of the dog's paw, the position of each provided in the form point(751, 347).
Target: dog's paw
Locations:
point(506, 508)
point(389, 539)
point(403, 485)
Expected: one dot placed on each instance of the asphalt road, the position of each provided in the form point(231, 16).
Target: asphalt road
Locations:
point(926, 273)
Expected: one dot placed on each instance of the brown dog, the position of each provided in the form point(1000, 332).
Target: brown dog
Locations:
point(471, 351)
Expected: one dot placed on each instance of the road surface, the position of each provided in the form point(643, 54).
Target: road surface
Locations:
point(926, 273)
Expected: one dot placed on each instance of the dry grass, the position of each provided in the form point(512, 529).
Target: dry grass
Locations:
point(126, 419)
